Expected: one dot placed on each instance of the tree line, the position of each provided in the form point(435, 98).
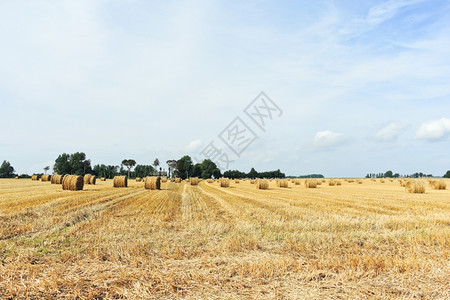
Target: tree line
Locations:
point(390, 174)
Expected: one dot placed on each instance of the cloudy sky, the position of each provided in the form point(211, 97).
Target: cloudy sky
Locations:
point(364, 86)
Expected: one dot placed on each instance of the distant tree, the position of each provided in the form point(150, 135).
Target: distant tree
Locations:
point(388, 174)
point(172, 163)
point(79, 164)
point(156, 163)
point(209, 169)
point(46, 169)
point(6, 170)
point(447, 175)
point(129, 163)
point(62, 164)
point(196, 170)
point(253, 174)
point(184, 166)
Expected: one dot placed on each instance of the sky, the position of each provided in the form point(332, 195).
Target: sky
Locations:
point(361, 86)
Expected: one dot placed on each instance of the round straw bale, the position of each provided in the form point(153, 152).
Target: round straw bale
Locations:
point(311, 184)
point(87, 179)
point(282, 183)
point(178, 180)
point(46, 177)
point(209, 180)
point(164, 179)
point(194, 181)
point(153, 183)
point(139, 179)
point(262, 184)
point(224, 182)
point(103, 179)
point(73, 183)
point(57, 179)
point(93, 180)
point(415, 187)
point(120, 181)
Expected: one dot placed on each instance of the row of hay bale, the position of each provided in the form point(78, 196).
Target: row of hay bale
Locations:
point(90, 179)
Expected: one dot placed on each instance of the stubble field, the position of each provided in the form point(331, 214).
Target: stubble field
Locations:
point(369, 240)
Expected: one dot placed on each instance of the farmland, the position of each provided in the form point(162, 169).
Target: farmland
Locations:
point(358, 240)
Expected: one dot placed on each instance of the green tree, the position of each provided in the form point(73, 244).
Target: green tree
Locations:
point(209, 169)
point(253, 174)
point(79, 164)
point(6, 170)
point(129, 163)
point(172, 163)
point(447, 175)
point(184, 166)
point(388, 174)
point(62, 165)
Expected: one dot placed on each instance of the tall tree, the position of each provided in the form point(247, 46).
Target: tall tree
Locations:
point(129, 163)
point(6, 170)
point(156, 163)
point(447, 175)
point(172, 163)
point(62, 164)
point(184, 166)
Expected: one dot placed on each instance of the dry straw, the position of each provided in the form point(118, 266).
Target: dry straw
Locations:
point(311, 184)
point(46, 177)
point(120, 181)
point(87, 179)
point(72, 183)
point(224, 182)
point(236, 181)
point(209, 180)
point(282, 183)
point(252, 181)
point(178, 180)
point(34, 177)
point(415, 187)
point(332, 182)
point(139, 179)
point(438, 185)
point(164, 179)
point(103, 179)
point(57, 179)
point(93, 180)
point(194, 181)
point(262, 184)
point(153, 183)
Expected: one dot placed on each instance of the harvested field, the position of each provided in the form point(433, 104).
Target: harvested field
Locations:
point(370, 240)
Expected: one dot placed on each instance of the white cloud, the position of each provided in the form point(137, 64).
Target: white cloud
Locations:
point(434, 130)
point(389, 132)
point(194, 145)
point(328, 139)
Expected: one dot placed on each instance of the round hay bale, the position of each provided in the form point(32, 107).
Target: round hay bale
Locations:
point(72, 183)
point(194, 181)
point(209, 180)
point(438, 185)
point(93, 180)
point(311, 184)
point(252, 181)
point(224, 182)
point(35, 177)
point(282, 183)
point(236, 181)
point(153, 183)
point(338, 182)
point(262, 184)
point(87, 179)
point(139, 179)
point(332, 182)
point(178, 180)
point(415, 187)
point(57, 179)
point(103, 179)
point(17, 177)
point(164, 179)
point(120, 181)
point(45, 178)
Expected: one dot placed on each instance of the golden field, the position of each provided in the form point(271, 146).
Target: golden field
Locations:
point(357, 240)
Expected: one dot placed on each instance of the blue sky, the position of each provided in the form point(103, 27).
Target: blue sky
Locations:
point(363, 85)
